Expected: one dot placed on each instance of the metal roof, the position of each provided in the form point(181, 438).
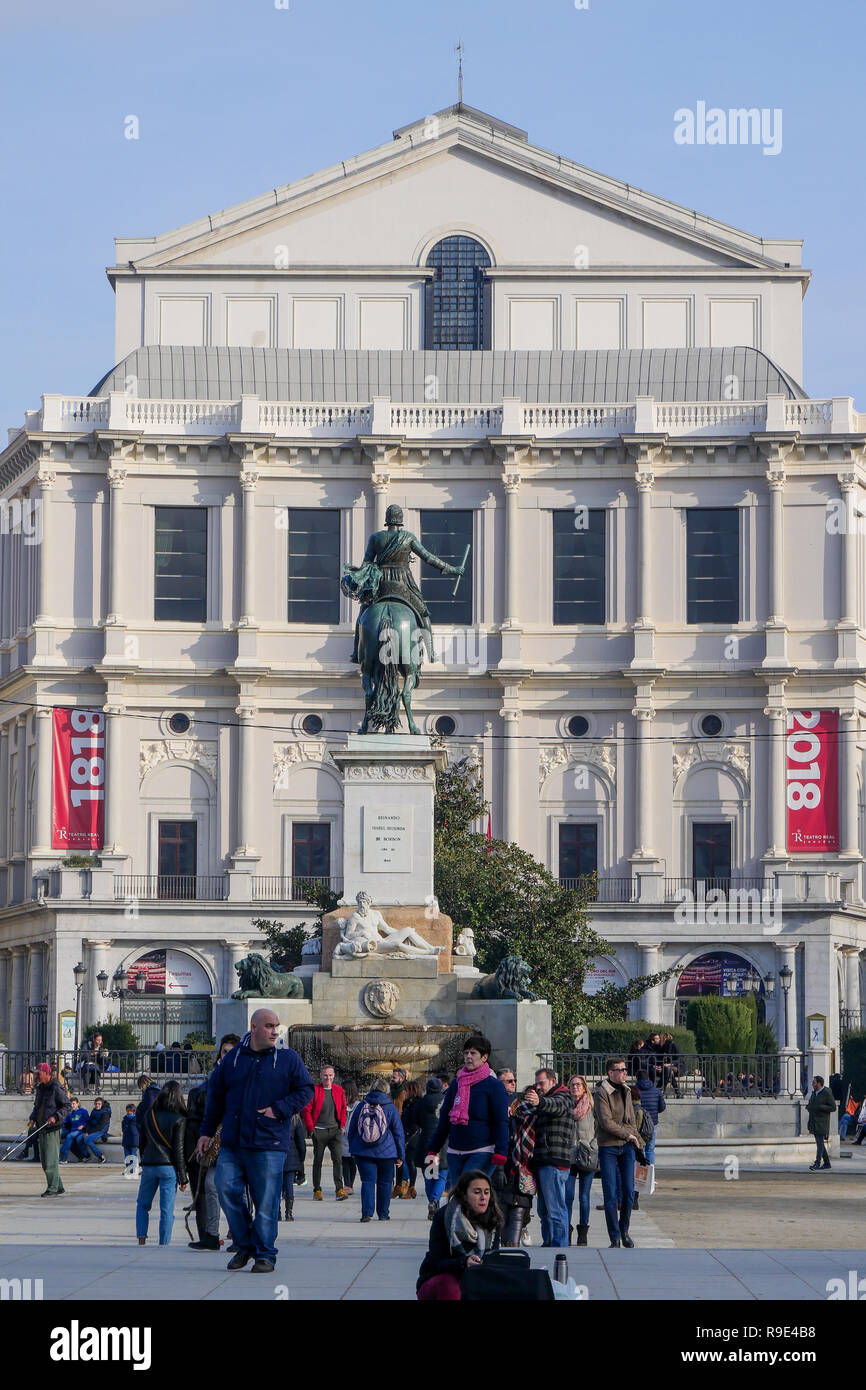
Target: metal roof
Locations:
point(309, 374)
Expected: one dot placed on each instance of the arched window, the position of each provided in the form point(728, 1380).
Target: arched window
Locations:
point(457, 313)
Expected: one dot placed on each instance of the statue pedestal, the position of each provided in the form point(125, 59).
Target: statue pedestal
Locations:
point(518, 1030)
point(233, 1015)
point(389, 782)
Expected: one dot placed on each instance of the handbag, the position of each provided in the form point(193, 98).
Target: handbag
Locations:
point(212, 1152)
point(586, 1158)
point(506, 1276)
point(645, 1179)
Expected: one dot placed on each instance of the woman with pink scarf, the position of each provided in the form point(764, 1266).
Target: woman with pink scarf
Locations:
point(585, 1160)
point(474, 1116)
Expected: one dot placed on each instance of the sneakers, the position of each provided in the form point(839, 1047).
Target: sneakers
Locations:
point(343, 1194)
point(317, 1194)
point(100, 1158)
point(814, 1167)
point(366, 1218)
point(263, 1267)
point(432, 1208)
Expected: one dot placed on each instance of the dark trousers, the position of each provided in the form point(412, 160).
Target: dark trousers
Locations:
point(350, 1168)
point(328, 1141)
point(821, 1155)
point(289, 1176)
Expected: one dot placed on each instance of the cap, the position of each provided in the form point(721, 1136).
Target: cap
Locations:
point(44, 1066)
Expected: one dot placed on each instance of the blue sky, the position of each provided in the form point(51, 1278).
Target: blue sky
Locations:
point(236, 96)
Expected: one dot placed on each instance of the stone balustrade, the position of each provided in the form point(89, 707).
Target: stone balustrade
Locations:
point(299, 420)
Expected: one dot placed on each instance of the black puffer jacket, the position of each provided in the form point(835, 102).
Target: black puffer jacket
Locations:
point(162, 1139)
point(424, 1113)
point(51, 1104)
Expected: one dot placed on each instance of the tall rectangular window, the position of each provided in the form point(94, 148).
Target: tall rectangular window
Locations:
point(713, 565)
point(314, 566)
point(311, 849)
point(180, 565)
point(578, 851)
point(578, 567)
point(447, 535)
point(711, 851)
point(178, 858)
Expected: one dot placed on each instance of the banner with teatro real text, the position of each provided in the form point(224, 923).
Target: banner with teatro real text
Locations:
point(78, 803)
point(812, 780)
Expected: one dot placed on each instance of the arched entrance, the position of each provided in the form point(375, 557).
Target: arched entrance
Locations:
point(176, 999)
point(718, 973)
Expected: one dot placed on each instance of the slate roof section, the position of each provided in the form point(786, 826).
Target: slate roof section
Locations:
point(307, 374)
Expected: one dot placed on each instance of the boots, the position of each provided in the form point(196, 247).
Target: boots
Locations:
point(625, 1237)
point(635, 1206)
point(207, 1242)
point(290, 1202)
point(582, 1233)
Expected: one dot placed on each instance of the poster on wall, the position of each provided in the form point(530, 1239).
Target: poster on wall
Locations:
point(717, 974)
point(812, 780)
point(168, 971)
point(78, 801)
point(601, 972)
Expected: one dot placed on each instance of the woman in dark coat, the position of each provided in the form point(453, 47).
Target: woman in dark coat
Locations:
point(162, 1161)
point(294, 1163)
point(425, 1114)
point(460, 1235)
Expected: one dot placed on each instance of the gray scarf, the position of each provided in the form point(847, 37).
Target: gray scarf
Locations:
point(464, 1238)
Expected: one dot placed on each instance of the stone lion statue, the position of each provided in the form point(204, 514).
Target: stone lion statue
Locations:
point(258, 979)
point(510, 981)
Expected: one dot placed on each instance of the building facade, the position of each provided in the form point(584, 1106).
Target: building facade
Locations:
point(594, 390)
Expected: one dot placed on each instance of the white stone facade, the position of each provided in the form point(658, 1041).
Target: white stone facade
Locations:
point(76, 611)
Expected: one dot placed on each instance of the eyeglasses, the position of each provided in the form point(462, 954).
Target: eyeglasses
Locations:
point(619, 1068)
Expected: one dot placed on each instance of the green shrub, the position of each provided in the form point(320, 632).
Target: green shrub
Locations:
point(116, 1036)
point(201, 1041)
point(618, 1037)
point(854, 1062)
point(81, 861)
point(724, 1025)
point(765, 1041)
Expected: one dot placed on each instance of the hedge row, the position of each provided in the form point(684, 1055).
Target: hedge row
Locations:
point(618, 1037)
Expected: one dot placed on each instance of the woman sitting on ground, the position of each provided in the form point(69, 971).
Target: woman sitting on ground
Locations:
point(461, 1233)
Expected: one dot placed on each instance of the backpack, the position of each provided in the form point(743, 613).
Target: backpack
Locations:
point(645, 1126)
point(372, 1123)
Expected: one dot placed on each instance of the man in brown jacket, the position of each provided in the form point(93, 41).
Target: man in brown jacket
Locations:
point(618, 1139)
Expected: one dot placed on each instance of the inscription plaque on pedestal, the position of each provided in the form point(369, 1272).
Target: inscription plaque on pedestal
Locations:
point(387, 840)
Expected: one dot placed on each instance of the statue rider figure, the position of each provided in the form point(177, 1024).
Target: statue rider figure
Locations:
point(384, 573)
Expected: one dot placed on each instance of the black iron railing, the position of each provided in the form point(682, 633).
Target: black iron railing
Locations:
point(282, 888)
point(212, 888)
point(695, 1075)
point(115, 1073)
point(603, 890)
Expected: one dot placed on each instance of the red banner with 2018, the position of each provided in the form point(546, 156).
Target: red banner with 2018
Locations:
point(78, 803)
point(812, 780)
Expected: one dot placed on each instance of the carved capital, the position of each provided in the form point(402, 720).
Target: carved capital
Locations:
point(249, 477)
point(774, 712)
point(511, 482)
point(43, 711)
point(116, 477)
point(775, 479)
point(643, 715)
point(847, 481)
point(246, 712)
point(381, 482)
point(644, 481)
point(46, 479)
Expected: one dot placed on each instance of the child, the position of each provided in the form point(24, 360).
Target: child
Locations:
point(129, 1126)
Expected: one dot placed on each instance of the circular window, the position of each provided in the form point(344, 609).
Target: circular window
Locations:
point(179, 723)
point(578, 726)
point(312, 724)
point(445, 725)
point(711, 725)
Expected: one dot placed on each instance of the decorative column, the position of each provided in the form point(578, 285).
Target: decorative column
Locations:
point(35, 982)
point(851, 979)
point(650, 966)
point(249, 478)
point(5, 973)
point(849, 754)
point(116, 479)
point(846, 628)
point(44, 754)
point(775, 629)
point(114, 779)
point(19, 810)
point(643, 719)
point(18, 1000)
point(4, 794)
point(381, 489)
point(511, 774)
point(97, 961)
point(233, 952)
point(511, 486)
point(46, 480)
point(644, 483)
point(788, 955)
point(246, 783)
point(776, 788)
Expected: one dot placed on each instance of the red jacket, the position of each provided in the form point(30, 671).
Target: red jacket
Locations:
point(311, 1112)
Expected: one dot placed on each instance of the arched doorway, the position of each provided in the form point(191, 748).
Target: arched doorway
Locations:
point(176, 999)
point(717, 973)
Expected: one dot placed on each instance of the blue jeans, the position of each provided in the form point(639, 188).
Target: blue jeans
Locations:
point(153, 1176)
point(377, 1179)
point(88, 1145)
point(583, 1183)
point(68, 1140)
point(650, 1149)
point(261, 1170)
point(844, 1124)
point(551, 1205)
point(289, 1184)
point(616, 1161)
point(434, 1187)
point(459, 1163)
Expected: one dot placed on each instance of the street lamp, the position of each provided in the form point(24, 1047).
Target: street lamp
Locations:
point(786, 975)
point(769, 985)
point(79, 974)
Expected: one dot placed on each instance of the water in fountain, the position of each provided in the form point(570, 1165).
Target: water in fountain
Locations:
point(368, 1052)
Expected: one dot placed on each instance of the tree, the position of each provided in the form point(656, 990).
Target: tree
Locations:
point(284, 943)
point(515, 906)
point(117, 1035)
